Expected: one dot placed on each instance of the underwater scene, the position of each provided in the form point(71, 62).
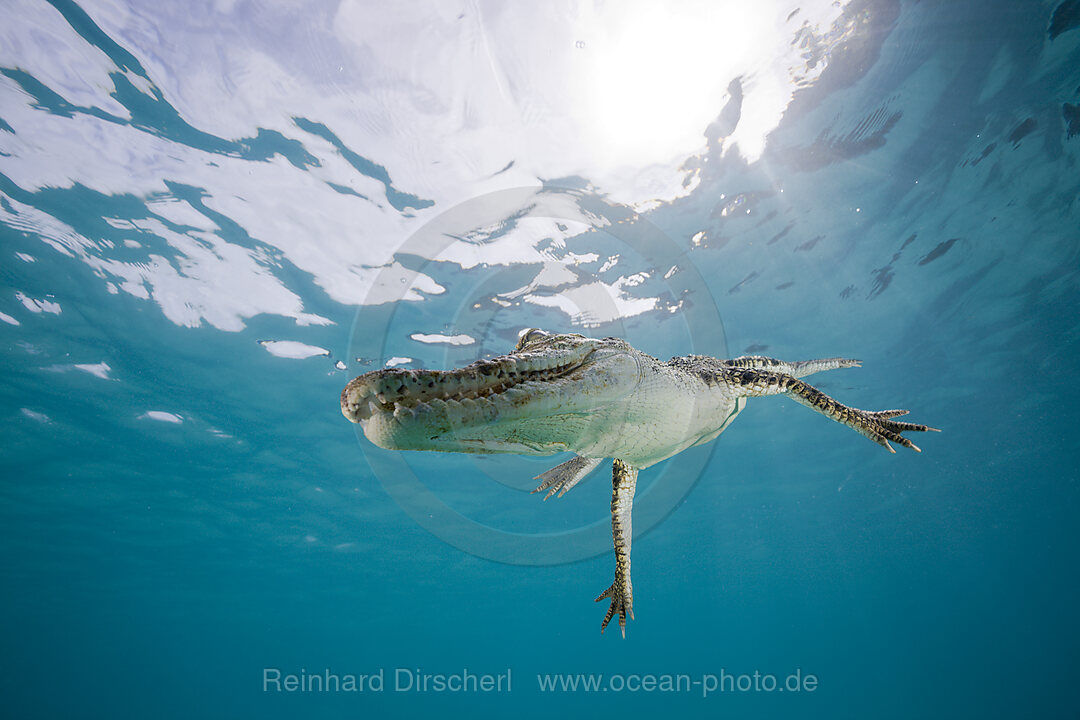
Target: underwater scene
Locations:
point(349, 347)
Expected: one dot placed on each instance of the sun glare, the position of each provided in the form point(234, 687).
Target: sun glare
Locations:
point(659, 75)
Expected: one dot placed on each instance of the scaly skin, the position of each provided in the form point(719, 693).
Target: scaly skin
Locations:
point(621, 592)
point(598, 398)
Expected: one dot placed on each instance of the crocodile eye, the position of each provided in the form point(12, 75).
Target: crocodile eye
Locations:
point(529, 336)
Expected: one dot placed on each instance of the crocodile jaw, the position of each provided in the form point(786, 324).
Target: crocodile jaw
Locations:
point(541, 399)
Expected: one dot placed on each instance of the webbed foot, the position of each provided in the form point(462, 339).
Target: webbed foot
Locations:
point(881, 428)
point(622, 601)
point(561, 478)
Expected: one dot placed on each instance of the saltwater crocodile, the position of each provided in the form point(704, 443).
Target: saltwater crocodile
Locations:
point(597, 398)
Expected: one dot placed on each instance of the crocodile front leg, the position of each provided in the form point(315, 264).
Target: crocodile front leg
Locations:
point(621, 592)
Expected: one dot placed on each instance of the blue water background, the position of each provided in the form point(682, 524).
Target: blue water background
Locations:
point(154, 569)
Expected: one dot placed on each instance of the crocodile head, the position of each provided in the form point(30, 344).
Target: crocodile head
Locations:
point(544, 397)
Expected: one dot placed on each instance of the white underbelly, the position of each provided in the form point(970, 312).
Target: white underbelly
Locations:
point(654, 427)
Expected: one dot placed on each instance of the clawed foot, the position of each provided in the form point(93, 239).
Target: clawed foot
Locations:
point(563, 477)
point(881, 428)
point(622, 601)
point(554, 484)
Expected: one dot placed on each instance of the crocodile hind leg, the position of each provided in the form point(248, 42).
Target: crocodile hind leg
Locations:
point(878, 426)
point(621, 592)
point(796, 369)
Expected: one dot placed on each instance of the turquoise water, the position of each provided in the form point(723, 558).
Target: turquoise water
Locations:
point(213, 216)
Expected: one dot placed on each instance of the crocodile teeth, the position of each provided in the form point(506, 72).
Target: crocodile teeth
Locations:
point(391, 385)
point(362, 411)
point(449, 385)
